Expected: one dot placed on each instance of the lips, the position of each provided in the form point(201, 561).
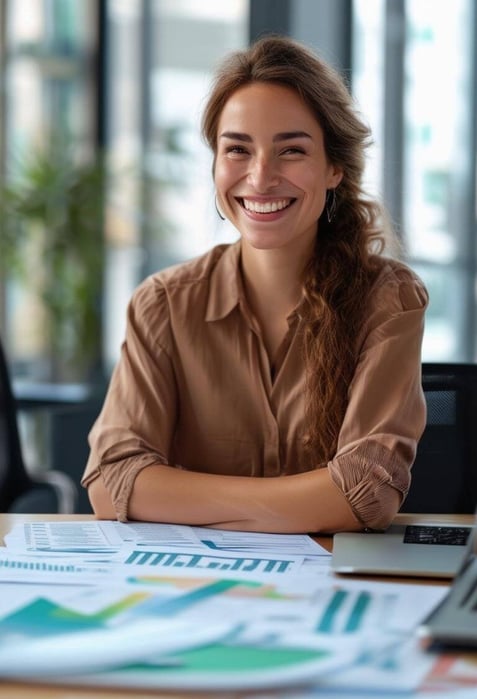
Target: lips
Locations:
point(265, 207)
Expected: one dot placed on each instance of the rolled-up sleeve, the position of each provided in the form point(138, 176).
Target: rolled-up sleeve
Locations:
point(386, 412)
point(136, 424)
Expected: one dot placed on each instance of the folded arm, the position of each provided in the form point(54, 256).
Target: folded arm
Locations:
point(305, 502)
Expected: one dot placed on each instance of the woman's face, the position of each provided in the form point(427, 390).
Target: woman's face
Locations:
point(271, 170)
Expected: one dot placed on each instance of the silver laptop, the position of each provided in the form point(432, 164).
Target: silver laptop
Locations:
point(454, 621)
point(424, 550)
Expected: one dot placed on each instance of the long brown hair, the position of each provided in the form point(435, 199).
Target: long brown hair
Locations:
point(339, 276)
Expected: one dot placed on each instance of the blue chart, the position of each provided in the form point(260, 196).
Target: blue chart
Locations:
point(208, 562)
point(346, 611)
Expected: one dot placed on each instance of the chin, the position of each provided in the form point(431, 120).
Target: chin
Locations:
point(258, 243)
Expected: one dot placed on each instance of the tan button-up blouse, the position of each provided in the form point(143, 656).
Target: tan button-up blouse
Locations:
point(193, 389)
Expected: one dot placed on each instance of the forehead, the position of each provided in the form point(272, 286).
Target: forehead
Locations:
point(259, 104)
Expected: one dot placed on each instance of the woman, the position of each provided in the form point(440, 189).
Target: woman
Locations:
point(272, 384)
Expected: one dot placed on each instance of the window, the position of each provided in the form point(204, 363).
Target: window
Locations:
point(47, 101)
point(418, 93)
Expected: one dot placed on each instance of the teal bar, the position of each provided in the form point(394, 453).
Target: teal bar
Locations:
point(176, 605)
point(325, 624)
point(360, 607)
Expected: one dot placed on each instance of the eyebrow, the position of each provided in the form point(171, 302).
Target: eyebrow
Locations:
point(284, 136)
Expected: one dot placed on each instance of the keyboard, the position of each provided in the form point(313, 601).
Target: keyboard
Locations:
point(444, 535)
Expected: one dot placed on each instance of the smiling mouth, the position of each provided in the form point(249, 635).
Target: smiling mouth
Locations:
point(265, 207)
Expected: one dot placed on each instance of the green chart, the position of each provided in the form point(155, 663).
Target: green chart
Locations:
point(345, 611)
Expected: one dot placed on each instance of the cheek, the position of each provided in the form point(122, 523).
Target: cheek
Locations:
point(222, 177)
point(306, 176)
point(226, 178)
point(313, 182)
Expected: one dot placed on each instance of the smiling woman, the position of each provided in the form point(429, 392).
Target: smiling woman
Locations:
point(272, 384)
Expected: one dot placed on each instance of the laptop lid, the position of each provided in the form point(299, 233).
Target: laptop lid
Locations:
point(422, 550)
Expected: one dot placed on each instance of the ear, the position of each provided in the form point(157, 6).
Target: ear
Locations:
point(335, 176)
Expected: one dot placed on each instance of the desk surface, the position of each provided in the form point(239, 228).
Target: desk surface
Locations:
point(13, 690)
point(7, 521)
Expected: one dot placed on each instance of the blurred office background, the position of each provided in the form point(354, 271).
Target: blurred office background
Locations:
point(104, 178)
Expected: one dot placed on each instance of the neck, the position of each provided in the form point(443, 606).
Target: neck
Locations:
point(272, 279)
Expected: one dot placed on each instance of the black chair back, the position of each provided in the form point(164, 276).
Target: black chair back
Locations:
point(444, 474)
point(48, 492)
point(14, 479)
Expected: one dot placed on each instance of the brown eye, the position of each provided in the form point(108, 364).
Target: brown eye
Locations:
point(293, 150)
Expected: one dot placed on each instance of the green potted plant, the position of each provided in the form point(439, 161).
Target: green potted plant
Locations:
point(51, 240)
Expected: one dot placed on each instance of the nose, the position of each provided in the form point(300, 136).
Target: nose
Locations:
point(263, 173)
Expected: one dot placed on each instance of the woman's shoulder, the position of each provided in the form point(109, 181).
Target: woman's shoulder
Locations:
point(397, 284)
point(187, 274)
point(180, 291)
point(194, 270)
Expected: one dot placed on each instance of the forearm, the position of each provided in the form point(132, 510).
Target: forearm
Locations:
point(299, 503)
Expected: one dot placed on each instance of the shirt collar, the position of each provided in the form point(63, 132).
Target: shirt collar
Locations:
point(225, 287)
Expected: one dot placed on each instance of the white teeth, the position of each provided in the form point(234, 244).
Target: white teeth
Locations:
point(267, 207)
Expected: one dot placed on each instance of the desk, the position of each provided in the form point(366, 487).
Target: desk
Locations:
point(7, 521)
point(13, 690)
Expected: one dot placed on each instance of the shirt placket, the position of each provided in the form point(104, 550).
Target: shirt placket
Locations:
point(262, 377)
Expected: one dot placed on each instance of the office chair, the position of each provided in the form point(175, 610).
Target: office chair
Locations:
point(51, 492)
point(444, 474)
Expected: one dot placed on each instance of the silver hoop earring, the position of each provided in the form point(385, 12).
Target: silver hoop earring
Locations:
point(330, 204)
point(222, 218)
